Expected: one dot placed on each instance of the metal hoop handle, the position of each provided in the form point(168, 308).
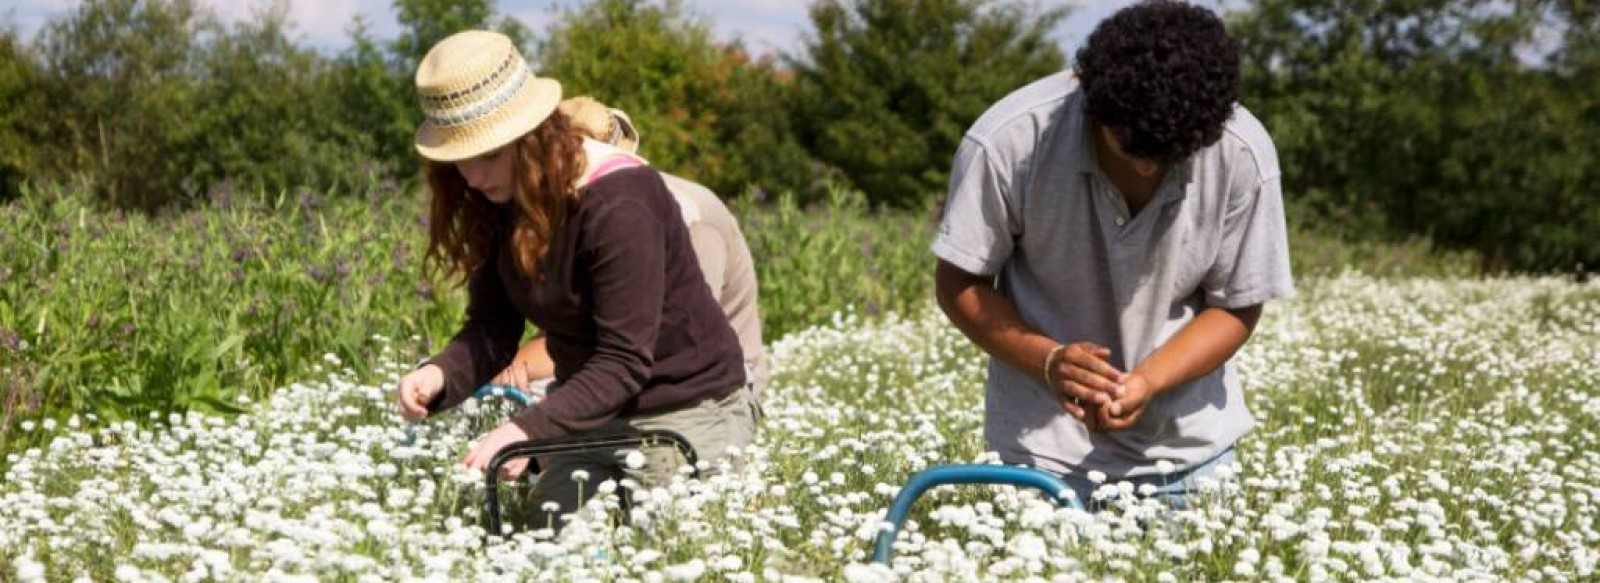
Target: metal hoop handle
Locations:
point(1046, 482)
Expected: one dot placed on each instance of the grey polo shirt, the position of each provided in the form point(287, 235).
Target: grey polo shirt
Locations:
point(1028, 203)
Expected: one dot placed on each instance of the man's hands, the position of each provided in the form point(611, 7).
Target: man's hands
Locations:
point(417, 390)
point(1126, 410)
point(515, 375)
point(1082, 375)
point(532, 363)
point(1093, 391)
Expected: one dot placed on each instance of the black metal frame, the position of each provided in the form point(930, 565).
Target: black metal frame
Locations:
point(572, 444)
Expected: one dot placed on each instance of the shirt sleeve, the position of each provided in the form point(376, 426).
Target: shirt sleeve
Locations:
point(979, 228)
point(626, 249)
point(1252, 264)
point(487, 342)
point(712, 252)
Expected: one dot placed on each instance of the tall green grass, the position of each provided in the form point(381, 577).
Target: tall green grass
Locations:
point(122, 315)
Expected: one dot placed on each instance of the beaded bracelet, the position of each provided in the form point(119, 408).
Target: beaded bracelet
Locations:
point(1050, 361)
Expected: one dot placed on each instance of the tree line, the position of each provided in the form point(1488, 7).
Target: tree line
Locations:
point(1471, 122)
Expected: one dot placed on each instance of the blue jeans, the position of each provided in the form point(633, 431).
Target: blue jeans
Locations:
point(1179, 490)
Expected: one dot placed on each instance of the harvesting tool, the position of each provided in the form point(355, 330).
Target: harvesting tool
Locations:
point(533, 448)
point(925, 480)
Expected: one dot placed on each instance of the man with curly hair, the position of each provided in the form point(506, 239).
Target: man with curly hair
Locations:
point(1110, 236)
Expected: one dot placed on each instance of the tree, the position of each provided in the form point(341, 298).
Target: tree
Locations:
point(888, 87)
point(372, 78)
point(23, 137)
point(1433, 114)
point(129, 86)
point(426, 22)
point(705, 110)
point(265, 118)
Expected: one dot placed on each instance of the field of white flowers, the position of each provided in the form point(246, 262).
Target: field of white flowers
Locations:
point(1410, 429)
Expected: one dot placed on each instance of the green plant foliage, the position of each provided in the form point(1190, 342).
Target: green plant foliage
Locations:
point(1441, 118)
point(888, 87)
point(705, 110)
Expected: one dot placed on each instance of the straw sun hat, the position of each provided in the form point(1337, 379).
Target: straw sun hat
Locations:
point(606, 124)
point(478, 94)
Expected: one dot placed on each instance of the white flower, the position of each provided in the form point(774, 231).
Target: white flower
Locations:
point(868, 573)
point(28, 569)
point(1244, 569)
point(690, 571)
point(645, 557)
point(127, 573)
point(1028, 546)
point(634, 460)
point(1097, 476)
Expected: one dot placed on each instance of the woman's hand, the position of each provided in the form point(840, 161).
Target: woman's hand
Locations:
point(417, 390)
point(506, 434)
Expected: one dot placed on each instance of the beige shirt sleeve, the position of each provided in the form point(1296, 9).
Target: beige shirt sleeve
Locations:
point(713, 253)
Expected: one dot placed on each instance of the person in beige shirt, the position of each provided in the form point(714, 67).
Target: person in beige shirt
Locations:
point(718, 242)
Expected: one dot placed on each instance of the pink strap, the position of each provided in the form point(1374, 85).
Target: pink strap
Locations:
point(612, 164)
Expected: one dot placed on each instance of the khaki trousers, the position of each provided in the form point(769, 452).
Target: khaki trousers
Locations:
point(711, 426)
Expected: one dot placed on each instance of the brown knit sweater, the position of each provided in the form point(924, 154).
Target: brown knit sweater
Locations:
point(630, 323)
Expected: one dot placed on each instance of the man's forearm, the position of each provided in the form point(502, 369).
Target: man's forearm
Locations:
point(1198, 348)
point(990, 320)
point(534, 357)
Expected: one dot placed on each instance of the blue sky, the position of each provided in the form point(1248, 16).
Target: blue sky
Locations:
point(764, 25)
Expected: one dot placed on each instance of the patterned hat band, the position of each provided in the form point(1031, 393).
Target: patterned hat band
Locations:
point(473, 111)
point(477, 94)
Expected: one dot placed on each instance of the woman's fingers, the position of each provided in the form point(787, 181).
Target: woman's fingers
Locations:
point(410, 410)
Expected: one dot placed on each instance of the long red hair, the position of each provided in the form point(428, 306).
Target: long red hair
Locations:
point(464, 227)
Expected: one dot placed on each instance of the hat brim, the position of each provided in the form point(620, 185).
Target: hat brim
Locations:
point(531, 105)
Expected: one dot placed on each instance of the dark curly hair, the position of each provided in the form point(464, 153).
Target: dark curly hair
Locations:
point(1163, 76)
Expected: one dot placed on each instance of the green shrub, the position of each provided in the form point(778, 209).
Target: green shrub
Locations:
point(888, 87)
point(705, 110)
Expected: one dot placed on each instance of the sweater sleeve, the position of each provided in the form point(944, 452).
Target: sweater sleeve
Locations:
point(625, 246)
point(486, 343)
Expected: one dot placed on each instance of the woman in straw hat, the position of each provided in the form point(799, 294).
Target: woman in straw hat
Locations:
point(718, 242)
point(583, 240)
